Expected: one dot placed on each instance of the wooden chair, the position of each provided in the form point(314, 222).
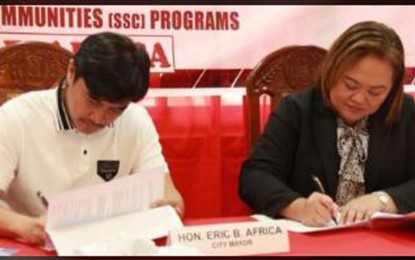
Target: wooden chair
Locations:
point(30, 66)
point(281, 72)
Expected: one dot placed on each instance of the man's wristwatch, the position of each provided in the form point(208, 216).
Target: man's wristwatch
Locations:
point(383, 197)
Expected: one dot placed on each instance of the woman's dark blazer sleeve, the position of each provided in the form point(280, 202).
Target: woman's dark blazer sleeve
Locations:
point(271, 162)
point(397, 170)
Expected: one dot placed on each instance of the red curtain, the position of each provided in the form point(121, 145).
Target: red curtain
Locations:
point(204, 144)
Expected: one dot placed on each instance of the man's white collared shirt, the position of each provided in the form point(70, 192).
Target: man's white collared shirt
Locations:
point(41, 154)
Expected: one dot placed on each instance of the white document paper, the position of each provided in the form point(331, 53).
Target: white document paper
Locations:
point(298, 227)
point(377, 220)
point(128, 194)
point(8, 251)
point(295, 226)
point(81, 216)
point(129, 245)
point(148, 224)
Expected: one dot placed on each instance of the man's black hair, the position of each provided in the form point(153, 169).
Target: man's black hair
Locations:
point(113, 67)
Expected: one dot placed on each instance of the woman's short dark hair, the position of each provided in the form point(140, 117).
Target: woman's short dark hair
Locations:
point(358, 41)
point(113, 67)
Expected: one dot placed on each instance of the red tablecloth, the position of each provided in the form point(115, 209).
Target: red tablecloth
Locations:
point(364, 241)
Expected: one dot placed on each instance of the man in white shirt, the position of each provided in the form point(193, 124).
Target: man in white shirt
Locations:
point(86, 131)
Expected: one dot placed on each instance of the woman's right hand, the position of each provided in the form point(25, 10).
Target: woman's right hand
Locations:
point(316, 210)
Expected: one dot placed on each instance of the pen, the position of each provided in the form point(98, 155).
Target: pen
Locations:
point(320, 188)
point(42, 199)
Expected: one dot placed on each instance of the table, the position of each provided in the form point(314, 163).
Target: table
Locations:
point(358, 241)
point(364, 241)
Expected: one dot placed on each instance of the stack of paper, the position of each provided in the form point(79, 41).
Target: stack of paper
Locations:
point(81, 217)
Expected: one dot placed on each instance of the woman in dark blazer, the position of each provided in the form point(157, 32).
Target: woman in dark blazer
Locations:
point(354, 131)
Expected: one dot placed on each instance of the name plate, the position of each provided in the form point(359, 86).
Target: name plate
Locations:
point(243, 238)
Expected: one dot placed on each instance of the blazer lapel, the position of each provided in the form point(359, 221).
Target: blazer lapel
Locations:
point(325, 134)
